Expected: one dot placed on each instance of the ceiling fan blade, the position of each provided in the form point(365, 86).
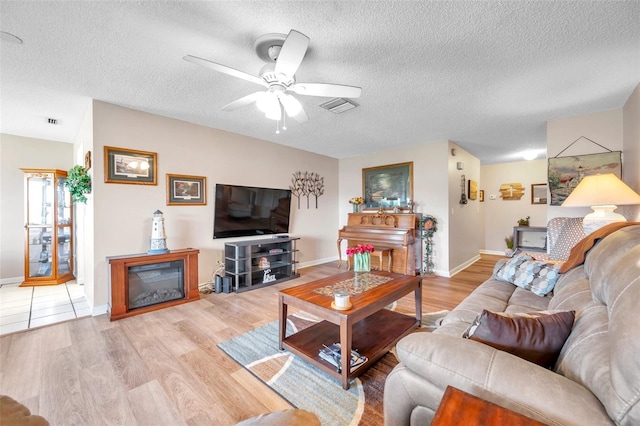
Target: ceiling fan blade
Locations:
point(327, 90)
point(293, 108)
point(225, 69)
point(242, 102)
point(293, 50)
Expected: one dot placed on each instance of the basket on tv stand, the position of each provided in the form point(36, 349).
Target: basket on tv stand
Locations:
point(259, 263)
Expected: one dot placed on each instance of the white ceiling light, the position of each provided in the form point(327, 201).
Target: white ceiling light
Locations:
point(529, 155)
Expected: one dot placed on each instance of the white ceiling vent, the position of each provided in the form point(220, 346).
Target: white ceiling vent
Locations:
point(53, 121)
point(339, 105)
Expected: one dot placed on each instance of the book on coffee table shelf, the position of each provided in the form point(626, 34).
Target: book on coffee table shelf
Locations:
point(332, 355)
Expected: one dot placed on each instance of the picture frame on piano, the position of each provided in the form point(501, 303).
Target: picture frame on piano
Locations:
point(388, 187)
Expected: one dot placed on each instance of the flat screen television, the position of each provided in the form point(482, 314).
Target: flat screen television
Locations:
point(242, 211)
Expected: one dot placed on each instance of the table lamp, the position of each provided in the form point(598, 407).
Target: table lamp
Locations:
point(603, 193)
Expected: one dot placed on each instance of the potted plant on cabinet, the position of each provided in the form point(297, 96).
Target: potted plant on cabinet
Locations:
point(524, 222)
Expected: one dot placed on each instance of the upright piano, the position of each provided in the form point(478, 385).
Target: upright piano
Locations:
point(397, 231)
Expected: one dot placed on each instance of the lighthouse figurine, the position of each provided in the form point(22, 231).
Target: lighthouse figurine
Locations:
point(158, 236)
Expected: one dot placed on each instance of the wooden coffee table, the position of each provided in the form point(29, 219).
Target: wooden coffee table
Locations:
point(366, 327)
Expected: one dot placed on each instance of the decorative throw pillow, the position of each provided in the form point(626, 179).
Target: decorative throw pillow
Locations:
point(537, 337)
point(537, 276)
point(509, 269)
point(570, 234)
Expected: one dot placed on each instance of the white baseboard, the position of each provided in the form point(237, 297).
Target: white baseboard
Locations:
point(319, 261)
point(464, 265)
point(496, 252)
point(14, 280)
point(99, 310)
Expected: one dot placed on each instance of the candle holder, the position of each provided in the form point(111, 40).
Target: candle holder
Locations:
point(341, 300)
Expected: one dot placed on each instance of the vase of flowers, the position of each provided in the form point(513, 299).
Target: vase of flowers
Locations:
point(361, 257)
point(355, 202)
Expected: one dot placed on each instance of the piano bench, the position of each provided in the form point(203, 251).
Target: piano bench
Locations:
point(380, 252)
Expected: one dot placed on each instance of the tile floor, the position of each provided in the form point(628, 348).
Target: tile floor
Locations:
point(29, 307)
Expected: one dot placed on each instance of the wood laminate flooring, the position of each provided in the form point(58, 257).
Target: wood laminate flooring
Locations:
point(163, 367)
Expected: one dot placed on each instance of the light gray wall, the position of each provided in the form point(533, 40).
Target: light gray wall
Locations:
point(605, 128)
point(122, 213)
point(631, 148)
point(17, 152)
point(432, 179)
point(500, 216)
point(465, 228)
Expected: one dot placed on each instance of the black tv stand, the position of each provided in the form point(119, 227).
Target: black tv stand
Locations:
point(259, 263)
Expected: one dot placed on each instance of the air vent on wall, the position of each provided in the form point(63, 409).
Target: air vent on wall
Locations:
point(339, 105)
point(53, 121)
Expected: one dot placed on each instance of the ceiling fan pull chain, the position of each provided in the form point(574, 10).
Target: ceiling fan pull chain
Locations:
point(284, 119)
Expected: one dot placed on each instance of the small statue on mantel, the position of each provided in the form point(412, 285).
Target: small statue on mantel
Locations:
point(380, 209)
point(411, 204)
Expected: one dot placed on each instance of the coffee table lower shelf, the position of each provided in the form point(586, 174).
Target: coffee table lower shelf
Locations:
point(372, 337)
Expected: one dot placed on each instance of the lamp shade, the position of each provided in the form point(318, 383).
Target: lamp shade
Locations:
point(602, 193)
point(599, 190)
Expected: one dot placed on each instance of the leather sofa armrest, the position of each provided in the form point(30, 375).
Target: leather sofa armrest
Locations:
point(438, 360)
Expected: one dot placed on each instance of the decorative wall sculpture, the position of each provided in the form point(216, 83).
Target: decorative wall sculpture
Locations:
point(305, 184)
point(511, 191)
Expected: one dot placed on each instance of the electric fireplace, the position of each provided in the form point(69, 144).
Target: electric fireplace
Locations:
point(142, 282)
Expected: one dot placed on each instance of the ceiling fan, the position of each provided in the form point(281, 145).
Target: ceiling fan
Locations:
point(283, 54)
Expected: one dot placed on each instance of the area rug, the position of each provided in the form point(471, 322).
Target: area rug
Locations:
point(305, 386)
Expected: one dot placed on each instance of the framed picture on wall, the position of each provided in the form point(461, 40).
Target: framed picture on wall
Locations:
point(185, 190)
point(388, 186)
point(538, 193)
point(473, 190)
point(123, 165)
point(564, 173)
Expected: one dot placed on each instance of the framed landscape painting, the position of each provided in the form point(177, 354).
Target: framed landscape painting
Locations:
point(565, 173)
point(123, 165)
point(388, 186)
point(186, 190)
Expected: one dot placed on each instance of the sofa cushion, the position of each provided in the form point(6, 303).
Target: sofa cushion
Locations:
point(537, 336)
point(537, 276)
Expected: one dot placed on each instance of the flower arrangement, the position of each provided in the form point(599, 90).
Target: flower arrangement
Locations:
point(360, 249)
point(361, 257)
point(356, 201)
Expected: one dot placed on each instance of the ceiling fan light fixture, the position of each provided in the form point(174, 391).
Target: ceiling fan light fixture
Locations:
point(267, 102)
point(274, 115)
point(291, 105)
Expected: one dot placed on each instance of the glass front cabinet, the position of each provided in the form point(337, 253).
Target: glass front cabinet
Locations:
point(48, 228)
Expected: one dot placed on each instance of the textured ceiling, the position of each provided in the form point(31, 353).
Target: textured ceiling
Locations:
point(486, 75)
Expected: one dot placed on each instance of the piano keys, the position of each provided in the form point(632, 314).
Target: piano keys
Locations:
point(398, 231)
